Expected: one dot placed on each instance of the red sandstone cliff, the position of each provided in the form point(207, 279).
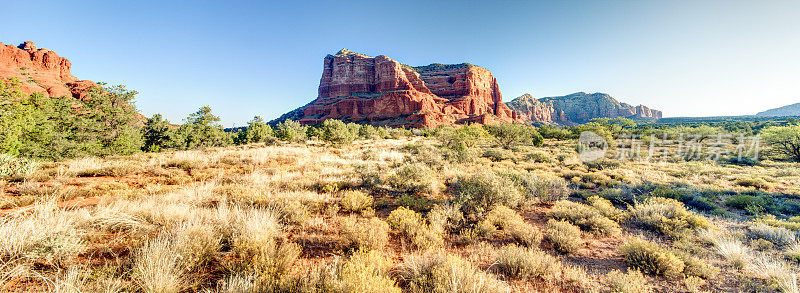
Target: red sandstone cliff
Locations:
point(40, 71)
point(576, 108)
point(378, 90)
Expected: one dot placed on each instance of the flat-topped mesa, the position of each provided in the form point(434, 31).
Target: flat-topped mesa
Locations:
point(40, 71)
point(378, 90)
point(577, 108)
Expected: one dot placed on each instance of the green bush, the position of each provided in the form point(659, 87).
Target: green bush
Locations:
point(651, 258)
point(565, 237)
point(538, 188)
point(480, 192)
point(509, 135)
point(104, 122)
point(291, 131)
point(498, 155)
point(666, 216)
point(783, 142)
point(256, 131)
point(586, 217)
point(337, 132)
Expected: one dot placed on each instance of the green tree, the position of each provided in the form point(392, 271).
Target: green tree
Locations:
point(256, 131)
point(783, 141)
point(201, 129)
point(157, 134)
point(337, 132)
point(290, 130)
point(510, 135)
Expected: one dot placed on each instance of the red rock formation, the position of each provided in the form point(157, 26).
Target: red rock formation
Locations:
point(378, 90)
point(40, 71)
point(576, 108)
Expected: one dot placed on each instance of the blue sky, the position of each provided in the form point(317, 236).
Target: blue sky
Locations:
point(246, 58)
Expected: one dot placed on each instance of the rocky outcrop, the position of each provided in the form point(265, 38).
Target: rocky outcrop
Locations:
point(378, 90)
point(577, 108)
point(40, 71)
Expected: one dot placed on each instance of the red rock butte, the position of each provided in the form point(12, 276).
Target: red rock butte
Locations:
point(378, 90)
point(41, 71)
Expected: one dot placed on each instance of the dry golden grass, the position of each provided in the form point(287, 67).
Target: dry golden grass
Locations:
point(380, 216)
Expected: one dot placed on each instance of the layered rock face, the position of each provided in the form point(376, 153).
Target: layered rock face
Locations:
point(378, 90)
point(577, 108)
point(40, 71)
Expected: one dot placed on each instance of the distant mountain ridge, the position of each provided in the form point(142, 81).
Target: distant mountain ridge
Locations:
point(576, 108)
point(788, 110)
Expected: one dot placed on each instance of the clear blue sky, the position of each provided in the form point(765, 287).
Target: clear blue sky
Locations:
point(246, 58)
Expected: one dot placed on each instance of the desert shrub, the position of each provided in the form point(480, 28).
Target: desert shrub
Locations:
point(480, 192)
point(757, 183)
point(521, 262)
point(445, 217)
point(584, 216)
point(777, 235)
point(696, 267)
point(414, 178)
point(792, 223)
point(439, 272)
point(370, 175)
point(666, 216)
point(414, 227)
point(605, 208)
point(364, 271)
point(156, 134)
point(632, 282)
point(539, 188)
point(651, 258)
point(597, 179)
point(292, 212)
point(461, 138)
point(783, 142)
point(415, 202)
point(356, 201)
point(603, 164)
point(367, 131)
point(540, 157)
point(746, 202)
point(11, 166)
point(565, 237)
point(509, 135)
point(511, 223)
point(498, 155)
point(291, 131)
point(337, 132)
point(370, 233)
